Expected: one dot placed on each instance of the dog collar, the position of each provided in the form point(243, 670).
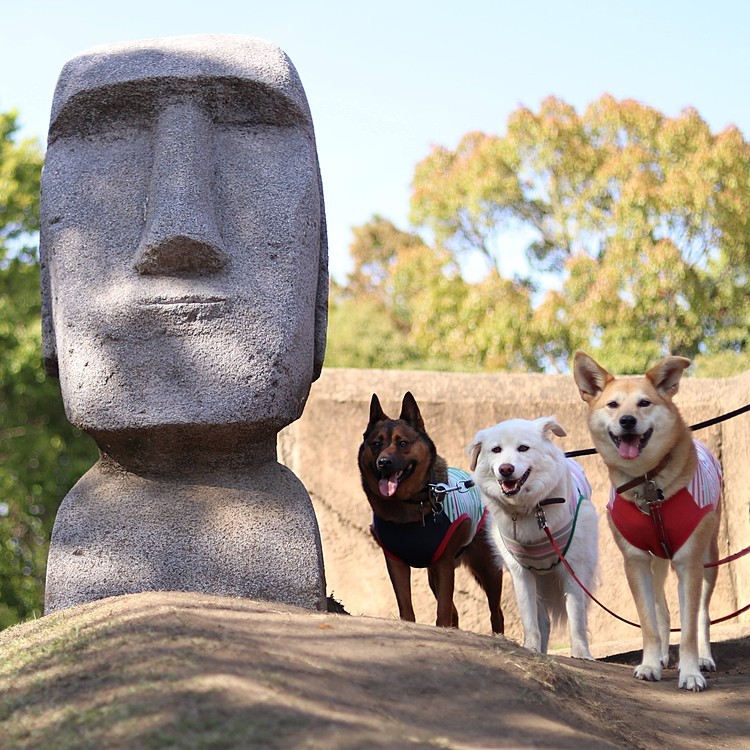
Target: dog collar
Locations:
point(539, 510)
point(539, 555)
point(646, 479)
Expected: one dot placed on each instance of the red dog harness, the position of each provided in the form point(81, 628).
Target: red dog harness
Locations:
point(680, 513)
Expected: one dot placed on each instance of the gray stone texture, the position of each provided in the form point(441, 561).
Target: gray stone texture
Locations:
point(184, 289)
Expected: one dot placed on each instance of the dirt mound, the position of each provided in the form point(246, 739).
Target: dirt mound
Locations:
point(194, 671)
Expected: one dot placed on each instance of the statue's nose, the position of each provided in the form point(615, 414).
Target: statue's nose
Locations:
point(181, 235)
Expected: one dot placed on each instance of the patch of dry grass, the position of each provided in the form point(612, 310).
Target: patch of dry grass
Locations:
point(190, 672)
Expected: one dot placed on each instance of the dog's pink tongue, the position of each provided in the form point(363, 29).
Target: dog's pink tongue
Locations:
point(388, 486)
point(629, 450)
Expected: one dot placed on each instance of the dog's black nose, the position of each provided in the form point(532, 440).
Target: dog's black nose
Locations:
point(506, 469)
point(384, 462)
point(628, 422)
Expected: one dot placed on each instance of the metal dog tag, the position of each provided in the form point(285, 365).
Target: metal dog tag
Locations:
point(653, 494)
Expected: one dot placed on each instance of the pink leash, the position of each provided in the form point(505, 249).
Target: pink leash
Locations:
point(622, 619)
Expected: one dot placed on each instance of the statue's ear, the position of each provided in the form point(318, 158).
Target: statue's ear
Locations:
point(321, 296)
point(49, 341)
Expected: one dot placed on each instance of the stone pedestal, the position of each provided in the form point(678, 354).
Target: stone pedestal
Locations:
point(253, 535)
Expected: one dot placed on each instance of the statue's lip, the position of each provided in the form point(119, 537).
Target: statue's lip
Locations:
point(186, 299)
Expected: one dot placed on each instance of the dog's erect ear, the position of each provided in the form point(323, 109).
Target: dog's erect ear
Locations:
point(591, 378)
point(666, 375)
point(549, 424)
point(474, 450)
point(376, 413)
point(410, 412)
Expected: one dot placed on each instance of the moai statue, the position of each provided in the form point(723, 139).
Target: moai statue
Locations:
point(184, 289)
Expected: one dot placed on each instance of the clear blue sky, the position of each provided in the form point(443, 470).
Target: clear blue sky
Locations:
point(387, 79)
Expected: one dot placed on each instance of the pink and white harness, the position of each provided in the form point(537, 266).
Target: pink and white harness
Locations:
point(539, 555)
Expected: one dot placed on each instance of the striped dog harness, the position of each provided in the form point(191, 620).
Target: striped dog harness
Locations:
point(539, 555)
point(681, 512)
point(421, 543)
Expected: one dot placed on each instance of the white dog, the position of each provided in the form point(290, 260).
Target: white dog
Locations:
point(519, 471)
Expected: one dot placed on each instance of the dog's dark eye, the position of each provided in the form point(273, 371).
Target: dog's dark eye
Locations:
point(523, 448)
point(612, 404)
point(644, 402)
point(376, 444)
point(403, 444)
point(497, 449)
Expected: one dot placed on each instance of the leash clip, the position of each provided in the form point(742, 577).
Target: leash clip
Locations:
point(437, 491)
point(541, 519)
point(539, 510)
point(441, 488)
point(651, 495)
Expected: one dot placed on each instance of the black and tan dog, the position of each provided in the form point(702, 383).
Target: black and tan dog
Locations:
point(425, 514)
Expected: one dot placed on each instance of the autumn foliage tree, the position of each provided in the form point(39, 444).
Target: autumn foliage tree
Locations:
point(638, 223)
point(406, 305)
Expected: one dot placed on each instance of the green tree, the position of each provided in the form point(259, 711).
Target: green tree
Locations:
point(362, 333)
point(368, 325)
point(406, 305)
point(41, 454)
point(642, 218)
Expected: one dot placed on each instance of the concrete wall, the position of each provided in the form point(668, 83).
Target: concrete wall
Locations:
point(321, 448)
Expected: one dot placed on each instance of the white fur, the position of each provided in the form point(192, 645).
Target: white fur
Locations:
point(554, 594)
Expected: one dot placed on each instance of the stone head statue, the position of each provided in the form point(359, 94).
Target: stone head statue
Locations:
point(184, 296)
point(183, 240)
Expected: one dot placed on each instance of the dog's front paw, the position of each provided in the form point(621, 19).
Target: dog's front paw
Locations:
point(647, 672)
point(581, 653)
point(694, 681)
point(533, 643)
point(707, 664)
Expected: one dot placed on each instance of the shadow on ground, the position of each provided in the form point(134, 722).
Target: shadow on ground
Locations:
point(171, 670)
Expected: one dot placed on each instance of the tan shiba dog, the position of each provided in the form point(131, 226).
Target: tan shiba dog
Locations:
point(664, 506)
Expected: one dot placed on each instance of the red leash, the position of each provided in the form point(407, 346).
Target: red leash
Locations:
point(735, 556)
point(578, 580)
point(622, 619)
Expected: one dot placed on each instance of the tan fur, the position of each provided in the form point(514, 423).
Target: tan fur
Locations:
point(647, 400)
